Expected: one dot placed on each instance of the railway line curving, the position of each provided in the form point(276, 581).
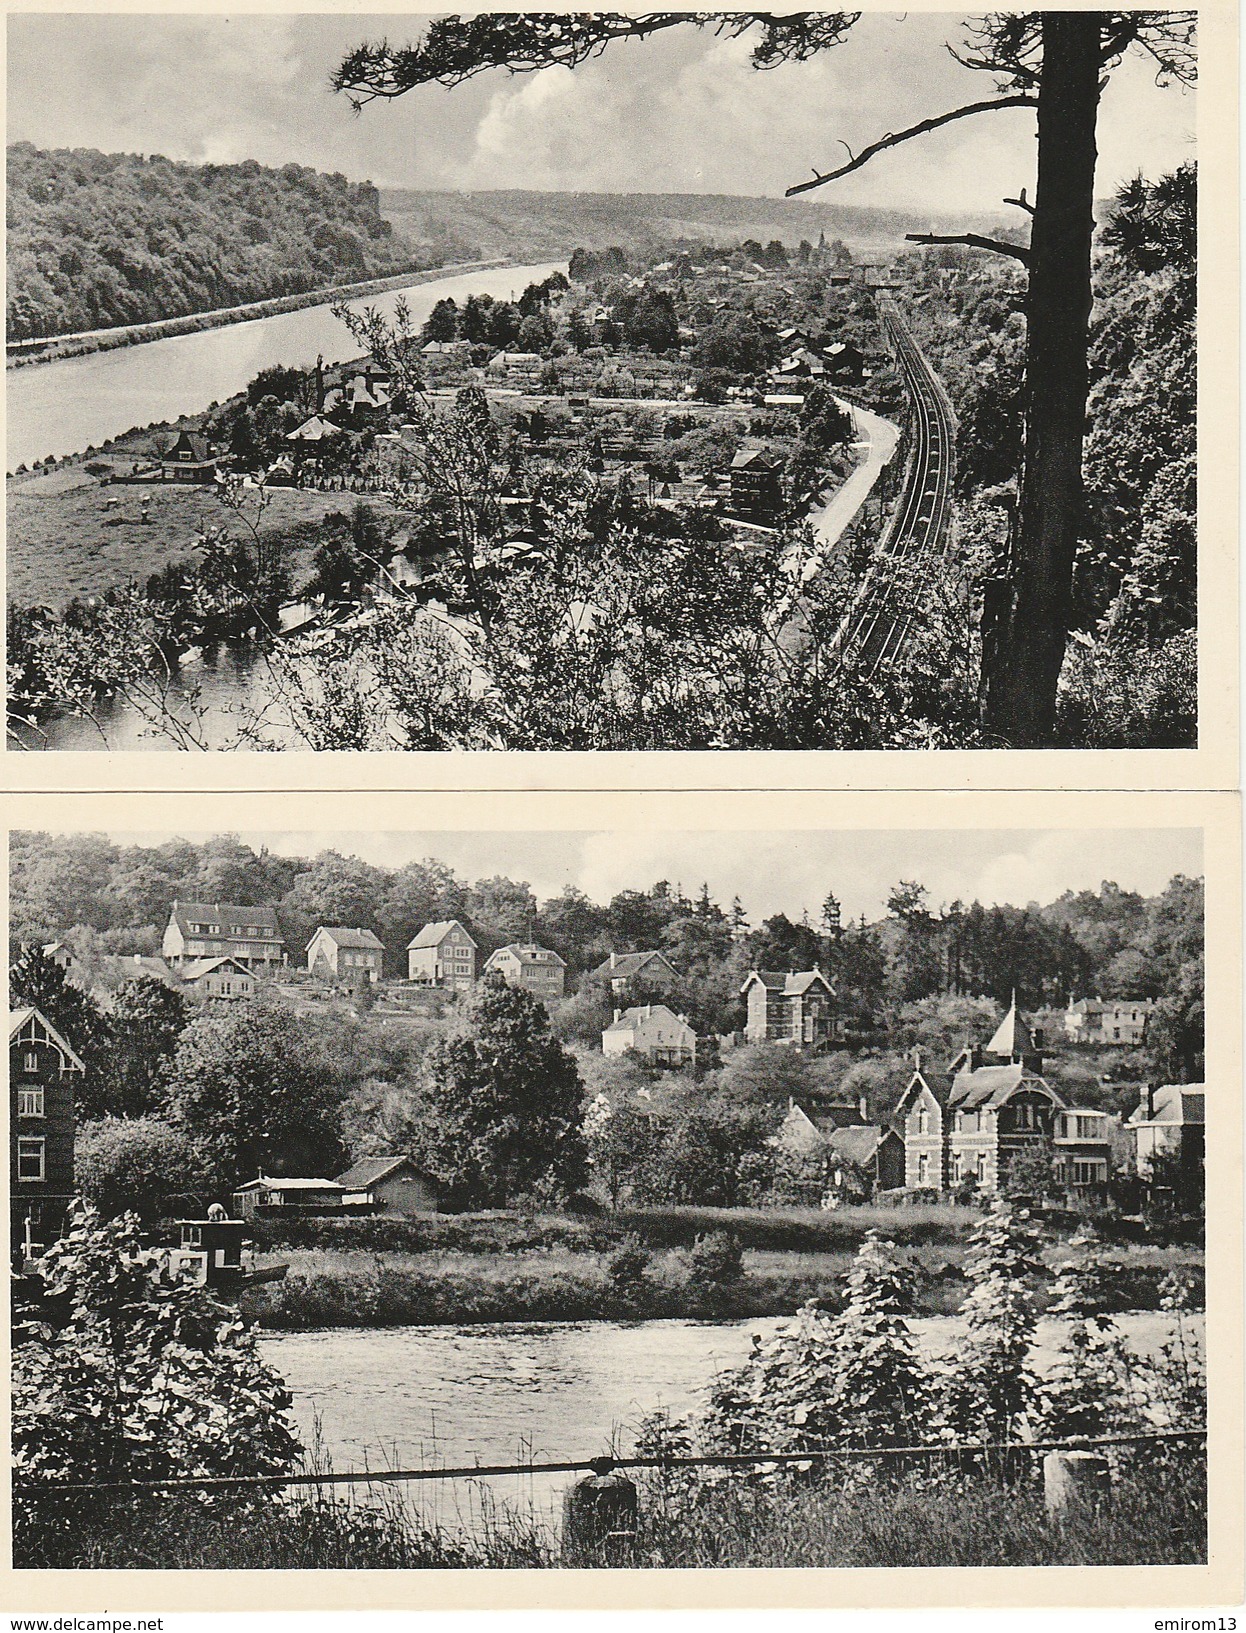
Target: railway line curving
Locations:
point(881, 618)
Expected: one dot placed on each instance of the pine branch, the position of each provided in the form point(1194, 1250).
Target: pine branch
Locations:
point(894, 138)
point(974, 240)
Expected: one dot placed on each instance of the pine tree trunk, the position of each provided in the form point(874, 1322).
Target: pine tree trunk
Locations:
point(1024, 665)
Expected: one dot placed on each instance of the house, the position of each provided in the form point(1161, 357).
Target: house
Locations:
point(60, 955)
point(44, 1074)
point(755, 485)
point(309, 1195)
point(996, 1105)
point(1169, 1121)
point(345, 955)
point(187, 460)
point(850, 1157)
point(443, 955)
point(648, 969)
point(199, 930)
point(654, 1032)
point(796, 1008)
point(1098, 1020)
point(523, 964)
point(844, 360)
point(802, 364)
point(393, 1184)
point(512, 363)
point(226, 977)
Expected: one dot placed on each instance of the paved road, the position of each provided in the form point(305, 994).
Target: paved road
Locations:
point(881, 619)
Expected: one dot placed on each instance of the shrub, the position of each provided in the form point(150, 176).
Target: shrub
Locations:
point(717, 1257)
point(627, 1265)
point(133, 1163)
point(121, 1374)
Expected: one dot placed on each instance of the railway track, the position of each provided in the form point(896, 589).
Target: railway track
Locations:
point(882, 616)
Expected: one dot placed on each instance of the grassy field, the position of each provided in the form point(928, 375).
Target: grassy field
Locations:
point(1155, 1515)
point(65, 539)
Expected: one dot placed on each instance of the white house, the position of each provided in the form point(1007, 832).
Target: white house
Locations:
point(443, 955)
point(344, 954)
point(654, 1032)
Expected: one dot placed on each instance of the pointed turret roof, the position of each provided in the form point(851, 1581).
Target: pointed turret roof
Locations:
point(1012, 1039)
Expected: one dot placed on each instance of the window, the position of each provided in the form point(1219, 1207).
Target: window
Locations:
point(226, 989)
point(923, 1169)
point(31, 1062)
point(1116, 1033)
point(923, 1120)
point(1091, 1172)
point(30, 1158)
point(981, 1167)
point(193, 1236)
point(30, 1102)
point(958, 1167)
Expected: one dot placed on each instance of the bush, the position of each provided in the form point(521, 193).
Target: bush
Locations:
point(627, 1265)
point(717, 1257)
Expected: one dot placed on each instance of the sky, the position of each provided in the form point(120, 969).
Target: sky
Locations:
point(682, 112)
point(787, 872)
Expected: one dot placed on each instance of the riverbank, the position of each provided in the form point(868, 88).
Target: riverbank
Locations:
point(56, 348)
point(327, 1289)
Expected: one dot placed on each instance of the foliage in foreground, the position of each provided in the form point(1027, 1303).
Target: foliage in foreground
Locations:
point(1156, 1515)
point(120, 1373)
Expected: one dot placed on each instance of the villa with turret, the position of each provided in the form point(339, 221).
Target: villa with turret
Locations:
point(992, 1104)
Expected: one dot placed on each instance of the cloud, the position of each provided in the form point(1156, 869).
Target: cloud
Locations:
point(684, 111)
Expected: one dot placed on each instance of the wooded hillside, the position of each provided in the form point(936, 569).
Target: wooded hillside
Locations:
point(99, 239)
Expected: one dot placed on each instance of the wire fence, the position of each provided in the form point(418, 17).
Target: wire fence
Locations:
point(967, 1451)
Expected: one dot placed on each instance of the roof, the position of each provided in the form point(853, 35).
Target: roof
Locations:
point(222, 913)
point(198, 446)
point(267, 1183)
point(349, 938)
point(992, 1086)
point(855, 1143)
point(315, 429)
point(369, 1171)
point(625, 965)
point(631, 1018)
point(1174, 1103)
point(18, 1019)
point(1012, 1036)
point(527, 952)
point(432, 935)
point(791, 983)
point(205, 966)
point(749, 457)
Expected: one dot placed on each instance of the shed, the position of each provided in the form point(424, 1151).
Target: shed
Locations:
point(394, 1185)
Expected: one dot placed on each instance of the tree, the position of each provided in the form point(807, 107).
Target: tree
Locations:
point(148, 1018)
point(1090, 1389)
point(1054, 63)
point(500, 1103)
point(260, 1089)
point(134, 1164)
point(992, 1387)
point(123, 1375)
point(854, 1379)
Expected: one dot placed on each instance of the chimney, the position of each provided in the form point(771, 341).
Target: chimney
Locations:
point(1150, 1102)
point(975, 1058)
point(861, 1107)
point(917, 1057)
point(613, 960)
point(617, 1014)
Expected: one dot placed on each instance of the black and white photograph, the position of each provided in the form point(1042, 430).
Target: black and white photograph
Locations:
point(597, 381)
point(636, 1198)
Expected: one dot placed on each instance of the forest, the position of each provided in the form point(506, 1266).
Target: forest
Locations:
point(102, 239)
point(110, 898)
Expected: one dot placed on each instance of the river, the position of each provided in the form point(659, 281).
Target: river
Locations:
point(65, 407)
point(420, 1397)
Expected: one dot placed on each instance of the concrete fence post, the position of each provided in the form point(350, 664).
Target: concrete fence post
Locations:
point(599, 1514)
point(1073, 1476)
